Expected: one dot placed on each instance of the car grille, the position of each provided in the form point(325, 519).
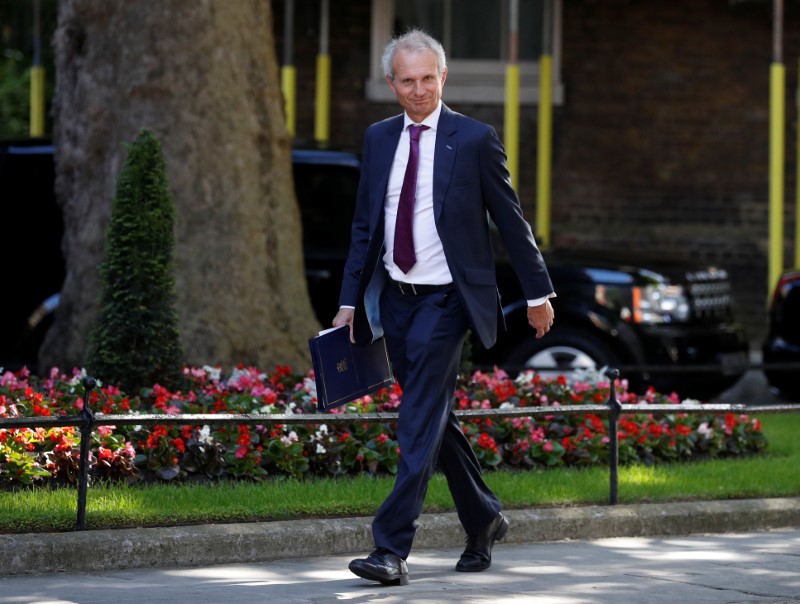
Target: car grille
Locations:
point(710, 294)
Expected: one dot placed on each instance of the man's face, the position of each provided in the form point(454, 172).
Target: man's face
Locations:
point(417, 83)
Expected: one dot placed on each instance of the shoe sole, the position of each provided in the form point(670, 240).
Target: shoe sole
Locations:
point(366, 574)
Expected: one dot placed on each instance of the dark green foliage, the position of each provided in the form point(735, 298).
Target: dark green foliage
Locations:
point(134, 343)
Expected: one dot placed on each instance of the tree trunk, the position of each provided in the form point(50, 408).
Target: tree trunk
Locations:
point(202, 75)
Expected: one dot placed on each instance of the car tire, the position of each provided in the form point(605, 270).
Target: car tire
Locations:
point(560, 352)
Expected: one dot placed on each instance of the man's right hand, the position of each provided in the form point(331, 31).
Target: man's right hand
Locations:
point(345, 317)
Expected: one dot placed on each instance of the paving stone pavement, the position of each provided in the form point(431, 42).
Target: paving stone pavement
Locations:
point(730, 568)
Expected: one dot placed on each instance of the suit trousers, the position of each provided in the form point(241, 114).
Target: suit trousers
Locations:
point(424, 336)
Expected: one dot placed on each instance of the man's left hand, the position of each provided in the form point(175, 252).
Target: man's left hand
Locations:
point(541, 318)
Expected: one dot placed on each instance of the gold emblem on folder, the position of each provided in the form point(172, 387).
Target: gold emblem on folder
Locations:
point(341, 366)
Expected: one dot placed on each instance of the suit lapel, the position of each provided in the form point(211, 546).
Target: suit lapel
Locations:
point(444, 158)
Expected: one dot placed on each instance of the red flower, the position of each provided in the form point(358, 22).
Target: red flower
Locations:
point(486, 442)
point(505, 390)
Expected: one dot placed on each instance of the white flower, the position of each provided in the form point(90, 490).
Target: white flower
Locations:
point(289, 438)
point(204, 435)
point(691, 402)
point(214, 373)
point(525, 378)
point(320, 449)
point(78, 378)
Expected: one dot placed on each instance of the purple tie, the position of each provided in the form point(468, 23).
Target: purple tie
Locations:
point(404, 256)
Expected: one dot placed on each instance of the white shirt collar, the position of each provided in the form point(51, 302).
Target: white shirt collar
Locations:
point(431, 121)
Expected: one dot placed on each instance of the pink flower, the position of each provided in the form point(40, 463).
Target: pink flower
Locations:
point(548, 446)
point(581, 387)
point(537, 435)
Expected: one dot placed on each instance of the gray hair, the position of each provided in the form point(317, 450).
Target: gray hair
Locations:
point(415, 40)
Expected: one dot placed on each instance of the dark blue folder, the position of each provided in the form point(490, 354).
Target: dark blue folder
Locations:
point(344, 371)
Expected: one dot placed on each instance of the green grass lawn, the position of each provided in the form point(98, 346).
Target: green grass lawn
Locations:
point(773, 474)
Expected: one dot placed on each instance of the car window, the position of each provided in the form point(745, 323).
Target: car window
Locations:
point(327, 196)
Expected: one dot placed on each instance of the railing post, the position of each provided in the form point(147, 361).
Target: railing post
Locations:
point(614, 407)
point(87, 416)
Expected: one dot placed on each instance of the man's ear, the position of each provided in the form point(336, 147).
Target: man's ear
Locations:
point(444, 75)
point(390, 81)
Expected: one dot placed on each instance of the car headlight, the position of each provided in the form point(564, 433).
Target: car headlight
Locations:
point(660, 303)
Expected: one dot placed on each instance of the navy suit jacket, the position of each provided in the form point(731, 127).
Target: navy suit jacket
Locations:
point(470, 182)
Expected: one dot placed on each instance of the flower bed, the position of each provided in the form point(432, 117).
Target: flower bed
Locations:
point(170, 452)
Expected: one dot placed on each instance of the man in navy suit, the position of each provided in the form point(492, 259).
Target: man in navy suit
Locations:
point(425, 308)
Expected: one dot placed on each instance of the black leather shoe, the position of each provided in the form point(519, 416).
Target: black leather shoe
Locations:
point(478, 554)
point(381, 565)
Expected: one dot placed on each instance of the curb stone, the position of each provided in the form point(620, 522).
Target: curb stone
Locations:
point(200, 545)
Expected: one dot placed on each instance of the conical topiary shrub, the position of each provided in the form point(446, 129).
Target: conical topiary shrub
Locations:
point(134, 342)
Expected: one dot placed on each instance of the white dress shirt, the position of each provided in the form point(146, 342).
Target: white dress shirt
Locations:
point(431, 266)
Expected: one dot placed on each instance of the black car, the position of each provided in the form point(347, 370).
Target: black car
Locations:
point(781, 350)
point(661, 324)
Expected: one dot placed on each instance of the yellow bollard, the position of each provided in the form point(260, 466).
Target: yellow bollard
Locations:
point(544, 147)
point(37, 102)
point(288, 84)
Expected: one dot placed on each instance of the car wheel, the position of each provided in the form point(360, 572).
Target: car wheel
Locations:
point(561, 352)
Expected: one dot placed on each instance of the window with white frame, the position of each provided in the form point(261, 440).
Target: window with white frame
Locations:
point(475, 35)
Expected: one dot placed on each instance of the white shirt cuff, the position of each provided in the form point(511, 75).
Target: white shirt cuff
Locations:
point(540, 301)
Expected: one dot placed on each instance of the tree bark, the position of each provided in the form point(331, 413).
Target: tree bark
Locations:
point(203, 76)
